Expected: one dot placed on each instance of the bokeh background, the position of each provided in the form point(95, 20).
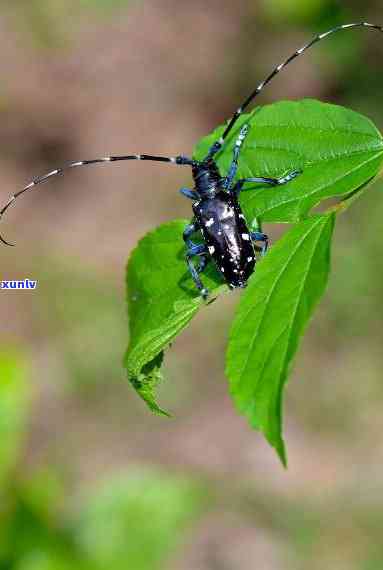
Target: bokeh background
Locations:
point(89, 479)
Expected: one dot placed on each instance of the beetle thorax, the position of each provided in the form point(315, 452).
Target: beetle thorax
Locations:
point(207, 178)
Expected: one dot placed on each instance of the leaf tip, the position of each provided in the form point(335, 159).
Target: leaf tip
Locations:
point(281, 451)
point(144, 387)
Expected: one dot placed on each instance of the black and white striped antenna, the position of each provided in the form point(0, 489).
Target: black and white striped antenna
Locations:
point(218, 145)
point(183, 160)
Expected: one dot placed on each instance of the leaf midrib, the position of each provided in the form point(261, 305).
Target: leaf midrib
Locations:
point(296, 127)
point(320, 160)
point(317, 189)
point(270, 295)
point(292, 321)
point(157, 343)
point(153, 300)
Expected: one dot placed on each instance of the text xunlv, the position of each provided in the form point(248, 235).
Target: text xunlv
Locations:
point(23, 284)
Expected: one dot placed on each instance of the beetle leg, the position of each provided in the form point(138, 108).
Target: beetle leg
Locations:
point(189, 193)
point(203, 261)
point(265, 180)
point(188, 232)
point(194, 250)
point(259, 236)
point(234, 164)
point(289, 176)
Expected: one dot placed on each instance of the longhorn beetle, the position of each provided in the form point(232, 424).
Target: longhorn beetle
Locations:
point(227, 239)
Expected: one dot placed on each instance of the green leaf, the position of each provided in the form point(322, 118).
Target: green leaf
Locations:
point(271, 317)
point(162, 299)
point(338, 151)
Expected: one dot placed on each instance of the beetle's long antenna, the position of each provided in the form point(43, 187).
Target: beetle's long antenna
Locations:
point(218, 144)
point(181, 160)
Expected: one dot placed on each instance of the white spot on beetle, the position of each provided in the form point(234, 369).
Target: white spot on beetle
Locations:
point(242, 216)
point(220, 233)
point(250, 258)
point(235, 270)
point(209, 223)
point(246, 237)
point(223, 269)
point(211, 248)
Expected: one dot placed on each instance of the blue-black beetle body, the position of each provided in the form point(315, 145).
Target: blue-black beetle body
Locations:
point(227, 237)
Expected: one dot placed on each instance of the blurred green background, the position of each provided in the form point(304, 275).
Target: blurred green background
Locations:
point(89, 479)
